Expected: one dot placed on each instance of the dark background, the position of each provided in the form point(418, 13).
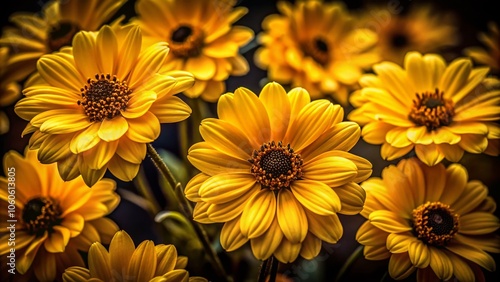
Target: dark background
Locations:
point(473, 17)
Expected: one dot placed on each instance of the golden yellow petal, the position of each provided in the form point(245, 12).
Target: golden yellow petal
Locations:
point(419, 253)
point(131, 151)
point(144, 129)
point(476, 76)
point(58, 70)
point(473, 254)
point(112, 129)
point(97, 157)
point(47, 270)
point(67, 168)
point(75, 274)
point(227, 211)
point(85, 139)
point(378, 252)
point(291, 217)
point(213, 91)
point(258, 214)
point(399, 243)
point(90, 176)
point(397, 137)
point(389, 221)
point(316, 196)
point(107, 228)
point(212, 162)
point(364, 166)
point(461, 269)
point(265, 245)
point(287, 251)
point(370, 235)
point(128, 52)
point(333, 171)
point(473, 143)
point(352, 197)
point(478, 223)
point(86, 238)
point(389, 152)
point(143, 262)
point(441, 264)
point(413, 172)
point(202, 67)
point(54, 148)
point(429, 154)
point(456, 179)
point(400, 266)
point(60, 121)
point(149, 62)
point(396, 182)
point(170, 110)
point(226, 138)
point(231, 237)
point(74, 223)
point(106, 48)
point(375, 132)
point(98, 260)
point(175, 275)
point(453, 153)
point(123, 170)
point(424, 71)
point(299, 98)
point(139, 104)
point(327, 228)
point(310, 247)
point(25, 261)
point(200, 212)
point(273, 97)
point(455, 77)
point(395, 80)
point(193, 186)
point(471, 197)
point(467, 127)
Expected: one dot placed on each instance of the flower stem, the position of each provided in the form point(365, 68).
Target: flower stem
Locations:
point(264, 269)
point(350, 260)
point(274, 269)
point(187, 210)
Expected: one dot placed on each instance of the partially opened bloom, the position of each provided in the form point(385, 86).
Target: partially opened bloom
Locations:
point(315, 45)
point(53, 28)
point(9, 88)
point(438, 109)
point(430, 219)
point(125, 262)
point(53, 219)
point(490, 55)
point(423, 28)
point(96, 105)
point(201, 37)
point(276, 170)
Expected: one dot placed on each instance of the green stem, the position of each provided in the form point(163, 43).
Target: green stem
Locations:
point(186, 209)
point(350, 260)
point(142, 186)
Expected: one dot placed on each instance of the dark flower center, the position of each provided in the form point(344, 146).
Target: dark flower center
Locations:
point(186, 41)
point(399, 40)
point(435, 223)
point(276, 166)
point(40, 215)
point(104, 97)
point(62, 35)
point(318, 50)
point(432, 110)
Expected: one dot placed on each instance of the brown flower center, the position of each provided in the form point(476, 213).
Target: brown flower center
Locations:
point(435, 223)
point(432, 110)
point(62, 35)
point(186, 41)
point(399, 40)
point(276, 166)
point(317, 49)
point(40, 215)
point(104, 97)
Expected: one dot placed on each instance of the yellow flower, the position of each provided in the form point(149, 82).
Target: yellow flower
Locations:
point(95, 105)
point(39, 34)
point(421, 29)
point(124, 262)
point(276, 171)
point(429, 218)
point(315, 45)
point(52, 219)
point(491, 55)
point(9, 89)
point(201, 38)
point(438, 109)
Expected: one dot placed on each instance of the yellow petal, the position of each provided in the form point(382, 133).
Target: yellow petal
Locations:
point(170, 110)
point(473, 254)
point(331, 170)
point(60, 121)
point(202, 67)
point(144, 129)
point(226, 187)
point(149, 63)
point(453, 153)
point(106, 50)
point(370, 235)
point(59, 70)
point(258, 214)
point(122, 169)
point(352, 197)
point(435, 179)
point(175, 275)
point(84, 53)
point(478, 223)
point(455, 77)
point(416, 180)
point(54, 148)
point(400, 266)
point(378, 252)
point(441, 264)
point(265, 245)
point(85, 139)
point(128, 52)
point(193, 186)
point(327, 228)
point(58, 240)
point(143, 262)
point(389, 221)
point(139, 104)
point(397, 137)
point(287, 251)
point(461, 270)
point(97, 157)
point(231, 237)
point(131, 151)
point(274, 97)
point(398, 243)
point(419, 253)
point(99, 262)
point(389, 152)
point(429, 154)
point(310, 247)
point(291, 217)
point(112, 129)
point(224, 137)
point(299, 98)
point(456, 179)
point(227, 211)
point(167, 258)
point(473, 143)
point(210, 161)
point(316, 196)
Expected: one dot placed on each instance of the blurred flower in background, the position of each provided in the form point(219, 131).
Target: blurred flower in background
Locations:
point(51, 29)
point(54, 219)
point(125, 262)
point(202, 40)
point(99, 102)
point(490, 55)
point(275, 169)
point(315, 45)
point(10, 91)
point(438, 109)
point(430, 219)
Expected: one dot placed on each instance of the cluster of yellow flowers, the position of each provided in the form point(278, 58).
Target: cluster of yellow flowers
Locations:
point(273, 169)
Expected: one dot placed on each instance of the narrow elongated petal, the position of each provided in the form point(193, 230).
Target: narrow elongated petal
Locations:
point(291, 217)
point(258, 214)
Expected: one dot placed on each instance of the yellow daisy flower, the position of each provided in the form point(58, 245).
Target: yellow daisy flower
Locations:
point(53, 28)
point(315, 45)
point(52, 219)
point(276, 170)
point(9, 89)
point(491, 55)
point(421, 29)
point(438, 109)
point(125, 262)
point(96, 105)
point(201, 37)
point(430, 219)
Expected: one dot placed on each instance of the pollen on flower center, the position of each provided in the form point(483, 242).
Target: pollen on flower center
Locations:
point(62, 35)
point(432, 110)
point(318, 50)
point(104, 97)
point(40, 215)
point(186, 41)
point(276, 166)
point(435, 223)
